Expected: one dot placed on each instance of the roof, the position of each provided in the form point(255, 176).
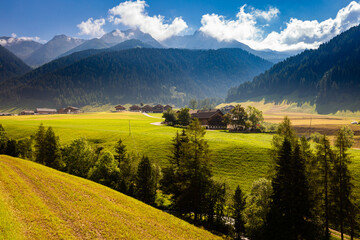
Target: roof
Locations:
point(147, 107)
point(27, 111)
point(158, 107)
point(135, 107)
point(206, 114)
point(120, 107)
point(46, 110)
point(74, 108)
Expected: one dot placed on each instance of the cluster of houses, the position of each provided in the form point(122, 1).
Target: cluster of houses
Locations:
point(68, 110)
point(147, 108)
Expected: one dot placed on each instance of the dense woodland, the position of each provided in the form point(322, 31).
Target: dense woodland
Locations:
point(328, 76)
point(10, 65)
point(135, 75)
point(307, 192)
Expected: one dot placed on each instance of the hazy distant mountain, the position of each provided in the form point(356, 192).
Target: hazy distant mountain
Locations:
point(11, 65)
point(98, 44)
point(94, 43)
point(118, 36)
point(200, 40)
point(328, 76)
point(20, 47)
point(52, 49)
point(134, 75)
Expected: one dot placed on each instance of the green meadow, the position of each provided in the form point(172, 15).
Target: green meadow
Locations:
point(37, 202)
point(236, 158)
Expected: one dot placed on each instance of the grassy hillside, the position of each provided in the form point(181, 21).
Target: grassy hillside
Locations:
point(37, 202)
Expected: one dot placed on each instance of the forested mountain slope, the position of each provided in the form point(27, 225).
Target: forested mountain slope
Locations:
point(328, 76)
point(10, 65)
point(135, 75)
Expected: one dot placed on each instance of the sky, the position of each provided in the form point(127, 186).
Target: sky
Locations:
point(261, 24)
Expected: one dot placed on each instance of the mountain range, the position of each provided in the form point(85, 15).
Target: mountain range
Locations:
point(36, 54)
point(328, 77)
point(132, 76)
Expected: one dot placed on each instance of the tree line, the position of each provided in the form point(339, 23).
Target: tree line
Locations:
point(308, 191)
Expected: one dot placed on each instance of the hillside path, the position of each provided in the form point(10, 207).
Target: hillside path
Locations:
point(150, 115)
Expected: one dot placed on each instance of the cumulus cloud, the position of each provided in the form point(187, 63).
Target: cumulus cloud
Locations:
point(92, 27)
point(300, 34)
point(15, 39)
point(297, 35)
point(133, 14)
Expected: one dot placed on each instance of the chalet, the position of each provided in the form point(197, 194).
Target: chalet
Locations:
point(27, 112)
point(147, 109)
point(135, 108)
point(167, 107)
point(228, 108)
point(45, 111)
point(158, 109)
point(211, 119)
point(120, 108)
point(72, 110)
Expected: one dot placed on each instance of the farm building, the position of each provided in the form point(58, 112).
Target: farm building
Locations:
point(27, 112)
point(120, 108)
point(5, 114)
point(147, 109)
point(211, 119)
point(45, 111)
point(69, 110)
point(135, 108)
point(158, 109)
point(167, 107)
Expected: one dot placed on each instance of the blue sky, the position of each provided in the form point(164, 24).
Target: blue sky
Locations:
point(260, 24)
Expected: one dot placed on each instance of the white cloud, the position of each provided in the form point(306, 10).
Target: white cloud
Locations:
point(132, 14)
point(297, 35)
point(92, 27)
point(15, 39)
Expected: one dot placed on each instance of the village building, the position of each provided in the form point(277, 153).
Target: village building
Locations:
point(135, 108)
point(167, 107)
point(147, 109)
point(120, 108)
point(211, 119)
point(45, 111)
point(69, 110)
point(27, 112)
point(228, 108)
point(5, 114)
point(158, 109)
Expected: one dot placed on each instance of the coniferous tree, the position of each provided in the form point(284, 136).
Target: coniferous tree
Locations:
point(51, 150)
point(146, 181)
point(12, 148)
point(238, 209)
point(39, 145)
point(3, 140)
point(184, 117)
point(341, 186)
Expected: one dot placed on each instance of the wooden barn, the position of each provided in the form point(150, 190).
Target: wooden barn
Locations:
point(158, 109)
point(120, 108)
point(147, 109)
point(135, 108)
point(69, 110)
point(45, 111)
point(27, 112)
point(211, 119)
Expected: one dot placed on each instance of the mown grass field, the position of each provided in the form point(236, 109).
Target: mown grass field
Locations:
point(236, 158)
point(37, 202)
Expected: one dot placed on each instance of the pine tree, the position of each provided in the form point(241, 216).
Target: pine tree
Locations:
point(341, 190)
point(51, 150)
point(3, 140)
point(238, 209)
point(39, 145)
point(146, 182)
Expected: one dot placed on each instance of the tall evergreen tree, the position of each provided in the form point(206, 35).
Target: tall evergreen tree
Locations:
point(3, 140)
point(237, 210)
point(39, 145)
point(341, 181)
point(51, 150)
point(146, 181)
